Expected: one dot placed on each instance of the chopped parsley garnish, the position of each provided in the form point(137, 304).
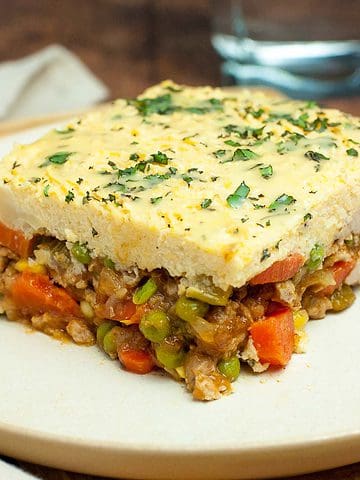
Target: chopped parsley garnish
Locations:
point(243, 154)
point(307, 217)
point(59, 158)
point(265, 254)
point(352, 152)
point(46, 190)
point(219, 153)
point(206, 203)
point(311, 104)
point(161, 105)
point(134, 156)
point(236, 199)
point(301, 121)
point(126, 172)
point(155, 200)
point(160, 158)
point(232, 143)
point(254, 113)
point(69, 196)
point(156, 178)
point(282, 200)
point(79, 181)
point(244, 132)
point(187, 179)
point(315, 156)
point(266, 172)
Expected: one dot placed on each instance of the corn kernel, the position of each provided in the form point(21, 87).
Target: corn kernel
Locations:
point(33, 267)
point(301, 318)
point(21, 265)
point(189, 141)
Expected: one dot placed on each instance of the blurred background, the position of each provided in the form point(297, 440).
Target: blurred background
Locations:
point(131, 44)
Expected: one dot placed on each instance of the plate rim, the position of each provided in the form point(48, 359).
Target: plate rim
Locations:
point(112, 459)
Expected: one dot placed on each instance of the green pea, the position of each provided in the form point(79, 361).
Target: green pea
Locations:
point(188, 309)
point(155, 326)
point(81, 253)
point(316, 257)
point(169, 356)
point(211, 295)
point(110, 344)
point(145, 292)
point(230, 368)
point(102, 330)
point(108, 263)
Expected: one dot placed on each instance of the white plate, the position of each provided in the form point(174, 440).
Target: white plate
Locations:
point(70, 407)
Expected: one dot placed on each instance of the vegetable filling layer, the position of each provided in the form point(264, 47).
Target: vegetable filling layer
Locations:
point(149, 320)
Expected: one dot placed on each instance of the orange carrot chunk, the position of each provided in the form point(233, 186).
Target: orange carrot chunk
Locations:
point(273, 337)
point(123, 310)
point(340, 271)
point(16, 241)
point(280, 271)
point(38, 294)
point(136, 361)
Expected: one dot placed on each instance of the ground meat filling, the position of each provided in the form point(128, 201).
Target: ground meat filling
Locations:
point(150, 320)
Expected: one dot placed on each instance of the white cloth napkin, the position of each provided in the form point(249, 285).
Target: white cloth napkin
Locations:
point(9, 472)
point(52, 80)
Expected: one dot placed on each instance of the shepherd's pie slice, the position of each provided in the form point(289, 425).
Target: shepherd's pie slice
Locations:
point(187, 229)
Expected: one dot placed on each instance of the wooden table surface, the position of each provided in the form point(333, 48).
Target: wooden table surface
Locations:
point(131, 44)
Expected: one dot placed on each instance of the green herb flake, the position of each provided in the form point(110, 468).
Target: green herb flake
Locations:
point(187, 179)
point(232, 143)
point(352, 152)
point(266, 172)
point(126, 172)
point(69, 196)
point(236, 199)
point(307, 217)
point(281, 201)
point(160, 158)
point(315, 156)
point(148, 106)
point(265, 254)
point(219, 153)
point(35, 179)
point(155, 200)
point(255, 113)
point(243, 154)
point(58, 158)
point(206, 203)
point(134, 156)
point(311, 104)
point(46, 190)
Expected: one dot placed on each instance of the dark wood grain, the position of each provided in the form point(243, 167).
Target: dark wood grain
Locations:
point(131, 44)
point(350, 472)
